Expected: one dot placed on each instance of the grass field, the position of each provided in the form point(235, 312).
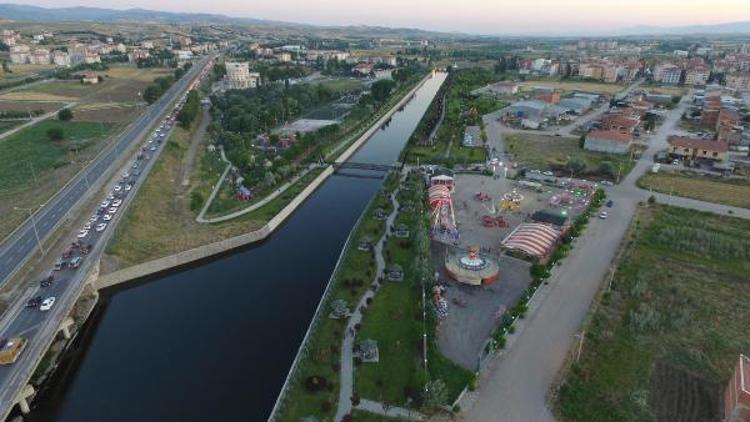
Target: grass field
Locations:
point(341, 86)
point(552, 152)
point(574, 86)
point(10, 124)
point(663, 342)
point(733, 192)
point(53, 163)
point(23, 70)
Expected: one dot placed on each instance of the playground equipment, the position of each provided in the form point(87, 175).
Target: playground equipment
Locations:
point(511, 201)
point(471, 267)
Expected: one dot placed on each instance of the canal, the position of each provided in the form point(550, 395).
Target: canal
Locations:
point(215, 340)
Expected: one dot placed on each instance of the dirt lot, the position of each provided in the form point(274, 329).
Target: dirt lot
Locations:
point(705, 188)
point(573, 86)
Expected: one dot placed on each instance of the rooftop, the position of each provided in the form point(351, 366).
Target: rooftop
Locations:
point(610, 135)
point(696, 143)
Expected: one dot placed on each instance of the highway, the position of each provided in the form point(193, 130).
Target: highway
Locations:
point(40, 327)
point(20, 245)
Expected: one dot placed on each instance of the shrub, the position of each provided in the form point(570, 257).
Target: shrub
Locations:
point(65, 115)
point(315, 383)
point(651, 199)
point(55, 134)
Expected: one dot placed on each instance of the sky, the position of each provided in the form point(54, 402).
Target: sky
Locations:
point(506, 17)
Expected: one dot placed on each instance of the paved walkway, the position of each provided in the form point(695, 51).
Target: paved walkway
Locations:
point(346, 389)
point(391, 411)
point(514, 385)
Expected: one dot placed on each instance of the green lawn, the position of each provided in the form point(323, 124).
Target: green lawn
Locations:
point(733, 192)
point(341, 86)
point(552, 153)
point(32, 148)
point(663, 342)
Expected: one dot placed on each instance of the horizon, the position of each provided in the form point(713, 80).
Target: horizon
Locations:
point(473, 18)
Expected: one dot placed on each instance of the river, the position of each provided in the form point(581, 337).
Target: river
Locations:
point(215, 340)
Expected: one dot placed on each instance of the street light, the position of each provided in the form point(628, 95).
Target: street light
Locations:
point(33, 223)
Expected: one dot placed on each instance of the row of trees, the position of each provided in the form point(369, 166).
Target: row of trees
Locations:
point(162, 84)
point(190, 109)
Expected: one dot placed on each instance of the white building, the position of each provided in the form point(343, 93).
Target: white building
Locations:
point(19, 54)
point(239, 75)
point(60, 58)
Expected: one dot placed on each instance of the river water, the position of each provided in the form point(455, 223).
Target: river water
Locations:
point(215, 340)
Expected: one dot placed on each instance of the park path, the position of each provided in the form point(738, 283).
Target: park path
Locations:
point(195, 142)
point(346, 389)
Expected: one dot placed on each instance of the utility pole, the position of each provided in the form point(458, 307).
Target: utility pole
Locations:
point(33, 224)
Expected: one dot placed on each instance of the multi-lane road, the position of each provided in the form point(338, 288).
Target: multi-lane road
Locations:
point(39, 327)
point(20, 245)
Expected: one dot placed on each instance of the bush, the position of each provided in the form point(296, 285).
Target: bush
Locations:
point(315, 383)
point(65, 114)
point(55, 134)
point(651, 199)
point(196, 201)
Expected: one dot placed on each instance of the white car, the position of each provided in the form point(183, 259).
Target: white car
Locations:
point(117, 188)
point(111, 196)
point(93, 219)
point(82, 234)
point(603, 215)
point(87, 226)
point(548, 173)
point(104, 204)
point(128, 187)
point(47, 304)
point(125, 175)
point(107, 217)
point(101, 226)
point(112, 210)
point(153, 148)
point(116, 203)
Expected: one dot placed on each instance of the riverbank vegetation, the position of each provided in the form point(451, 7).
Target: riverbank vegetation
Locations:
point(461, 109)
point(644, 356)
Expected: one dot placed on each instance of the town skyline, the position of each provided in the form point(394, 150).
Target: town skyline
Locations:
point(543, 18)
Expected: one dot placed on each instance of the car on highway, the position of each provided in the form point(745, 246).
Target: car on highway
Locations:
point(104, 204)
point(47, 281)
point(93, 218)
point(75, 262)
point(116, 203)
point(125, 175)
point(548, 173)
point(153, 148)
point(47, 304)
point(59, 264)
point(128, 187)
point(34, 302)
point(110, 196)
point(107, 217)
point(603, 215)
point(117, 188)
point(83, 233)
point(11, 348)
point(135, 165)
point(87, 226)
point(112, 210)
point(100, 227)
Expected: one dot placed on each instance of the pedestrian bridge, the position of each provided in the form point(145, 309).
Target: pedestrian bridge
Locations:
point(350, 165)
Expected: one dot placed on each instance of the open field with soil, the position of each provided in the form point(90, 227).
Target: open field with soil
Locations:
point(662, 343)
point(734, 192)
point(34, 167)
point(543, 152)
point(568, 87)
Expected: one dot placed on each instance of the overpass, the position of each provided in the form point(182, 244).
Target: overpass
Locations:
point(70, 284)
point(19, 246)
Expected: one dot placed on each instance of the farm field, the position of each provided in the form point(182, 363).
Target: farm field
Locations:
point(705, 188)
point(18, 71)
point(568, 87)
point(53, 164)
point(662, 343)
point(543, 152)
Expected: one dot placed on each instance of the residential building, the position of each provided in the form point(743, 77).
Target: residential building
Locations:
point(19, 54)
point(363, 69)
point(680, 53)
point(8, 37)
point(148, 45)
point(697, 148)
point(90, 78)
point(737, 393)
point(283, 57)
point(239, 76)
point(39, 56)
point(739, 81)
point(503, 88)
point(697, 75)
point(182, 40)
point(184, 54)
point(60, 58)
point(667, 73)
point(620, 123)
point(609, 141)
point(80, 53)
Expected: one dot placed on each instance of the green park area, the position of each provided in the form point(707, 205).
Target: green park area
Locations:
point(733, 192)
point(662, 342)
point(557, 153)
point(40, 159)
point(461, 109)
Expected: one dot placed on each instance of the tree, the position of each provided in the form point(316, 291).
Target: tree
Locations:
point(435, 394)
point(606, 168)
point(382, 89)
point(65, 115)
point(582, 141)
point(151, 94)
point(575, 165)
point(55, 134)
point(189, 110)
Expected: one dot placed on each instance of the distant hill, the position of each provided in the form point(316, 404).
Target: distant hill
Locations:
point(717, 29)
point(21, 12)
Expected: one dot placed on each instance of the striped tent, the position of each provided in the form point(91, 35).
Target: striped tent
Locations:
point(532, 238)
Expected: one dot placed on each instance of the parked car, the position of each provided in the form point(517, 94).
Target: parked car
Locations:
point(47, 304)
point(548, 173)
point(603, 215)
point(609, 204)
